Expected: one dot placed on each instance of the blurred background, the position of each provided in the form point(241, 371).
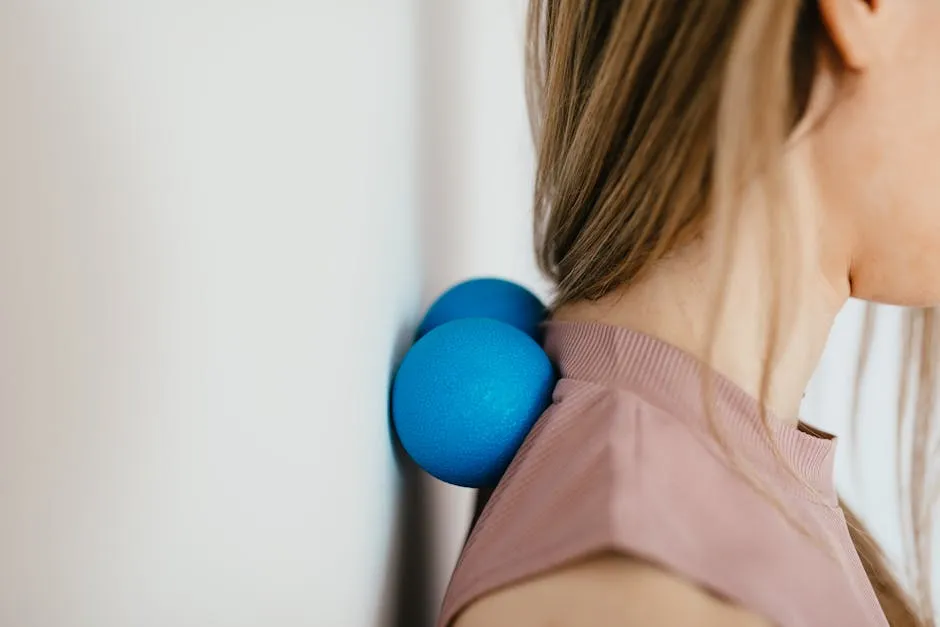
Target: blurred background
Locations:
point(219, 225)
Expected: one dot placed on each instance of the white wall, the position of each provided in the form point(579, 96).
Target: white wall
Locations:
point(208, 254)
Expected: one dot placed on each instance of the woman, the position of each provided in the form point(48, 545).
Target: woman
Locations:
point(715, 179)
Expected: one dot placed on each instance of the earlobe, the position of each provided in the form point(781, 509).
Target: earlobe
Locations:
point(851, 28)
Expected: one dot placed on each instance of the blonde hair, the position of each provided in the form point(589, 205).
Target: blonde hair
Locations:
point(648, 113)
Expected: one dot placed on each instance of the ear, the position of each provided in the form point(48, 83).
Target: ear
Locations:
point(852, 27)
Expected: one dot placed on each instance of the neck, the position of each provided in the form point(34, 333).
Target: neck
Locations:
point(676, 303)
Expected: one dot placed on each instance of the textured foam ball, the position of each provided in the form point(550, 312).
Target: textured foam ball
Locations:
point(487, 298)
point(465, 397)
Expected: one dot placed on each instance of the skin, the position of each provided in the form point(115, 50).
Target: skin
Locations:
point(609, 591)
point(865, 178)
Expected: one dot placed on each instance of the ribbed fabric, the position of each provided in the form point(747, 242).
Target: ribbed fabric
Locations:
point(626, 459)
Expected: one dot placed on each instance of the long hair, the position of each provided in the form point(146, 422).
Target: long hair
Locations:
point(646, 115)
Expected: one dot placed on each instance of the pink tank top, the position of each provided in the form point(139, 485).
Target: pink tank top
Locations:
point(625, 460)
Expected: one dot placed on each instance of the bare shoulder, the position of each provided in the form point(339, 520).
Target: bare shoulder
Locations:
point(606, 591)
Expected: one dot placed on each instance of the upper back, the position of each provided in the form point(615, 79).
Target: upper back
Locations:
point(626, 462)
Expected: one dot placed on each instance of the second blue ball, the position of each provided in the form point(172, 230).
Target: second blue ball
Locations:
point(497, 299)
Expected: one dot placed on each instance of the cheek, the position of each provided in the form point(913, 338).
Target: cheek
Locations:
point(899, 261)
point(892, 196)
point(896, 215)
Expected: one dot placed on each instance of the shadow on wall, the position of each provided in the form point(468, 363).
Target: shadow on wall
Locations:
point(437, 52)
point(414, 602)
point(408, 591)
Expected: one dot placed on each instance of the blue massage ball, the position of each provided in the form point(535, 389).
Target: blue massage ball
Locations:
point(487, 298)
point(465, 397)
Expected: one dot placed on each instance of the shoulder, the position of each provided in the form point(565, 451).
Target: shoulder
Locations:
point(606, 591)
point(610, 470)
